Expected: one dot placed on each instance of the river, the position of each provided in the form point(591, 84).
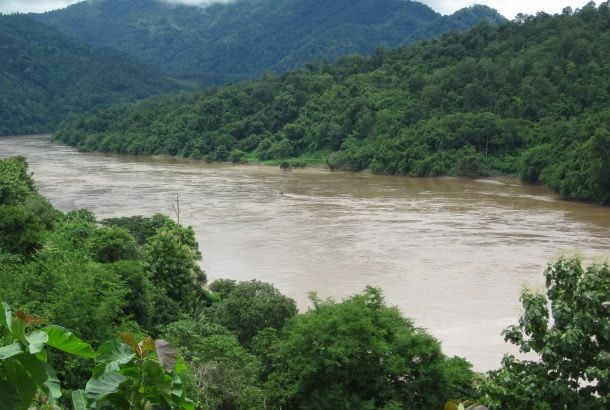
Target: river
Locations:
point(453, 254)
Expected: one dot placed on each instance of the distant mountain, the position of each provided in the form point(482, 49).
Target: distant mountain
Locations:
point(461, 20)
point(45, 76)
point(244, 38)
point(529, 97)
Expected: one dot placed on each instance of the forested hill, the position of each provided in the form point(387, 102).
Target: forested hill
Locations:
point(45, 76)
point(530, 97)
point(243, 38)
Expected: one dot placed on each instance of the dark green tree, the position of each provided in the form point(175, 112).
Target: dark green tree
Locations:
point(362, 354)
point(251, 306)
point(171, 258)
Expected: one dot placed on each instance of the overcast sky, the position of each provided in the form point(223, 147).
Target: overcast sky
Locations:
point(509, 8)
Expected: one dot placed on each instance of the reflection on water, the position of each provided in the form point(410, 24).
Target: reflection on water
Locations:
point(452, 254)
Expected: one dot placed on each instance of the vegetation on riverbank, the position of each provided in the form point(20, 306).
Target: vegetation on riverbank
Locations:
point(528, 98)
point(244, 345)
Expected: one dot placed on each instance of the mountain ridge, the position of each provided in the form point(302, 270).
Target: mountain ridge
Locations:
point(527, 98)
point(242, 39)
point(45, 76)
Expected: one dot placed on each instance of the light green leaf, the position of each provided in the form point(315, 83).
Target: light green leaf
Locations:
point(36, 341)
point(114, 351)
point(79, 400)
point(6, 317)
point(18, 330)
point(179, 398)
point(102, 368)
point(42, 356)
point(176, 387)
point(186, 403)
point(62, 339)
point(103, 386)
point(180, 365)
point(10, 397)
point(10, 351)
point(53, 385)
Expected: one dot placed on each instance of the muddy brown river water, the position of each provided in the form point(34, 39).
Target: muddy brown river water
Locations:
point(452, 254)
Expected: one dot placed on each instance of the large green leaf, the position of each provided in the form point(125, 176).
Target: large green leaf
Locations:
point(103, 386)
point(161, 382)
point(102, 368)
point(62, 339)
point(179, 398)
point(52, 384)
point(26, 386)
point(9, 395)
point(79, 400)
point(36, 341)
point(186, 403)
point(10, 351)
point(43, 374)
point(18, 330)
point(114, 351)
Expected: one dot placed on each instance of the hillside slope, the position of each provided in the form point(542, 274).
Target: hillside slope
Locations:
point(46, 76)
point(242, 39)
point(530, 97)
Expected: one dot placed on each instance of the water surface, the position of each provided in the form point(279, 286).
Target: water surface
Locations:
point(452, 254)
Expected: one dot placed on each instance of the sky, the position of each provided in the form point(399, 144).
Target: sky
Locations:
point(508, 8)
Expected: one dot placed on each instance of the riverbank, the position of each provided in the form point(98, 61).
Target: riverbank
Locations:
point(419, 239)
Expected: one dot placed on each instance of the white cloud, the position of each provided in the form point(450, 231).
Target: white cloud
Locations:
point(197, 2)
point(35, 6)
point(39, 6)
point(508, 8)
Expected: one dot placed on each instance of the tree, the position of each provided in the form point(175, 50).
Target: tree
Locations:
point(15, 181)
point(111, 244)
point(252, 306)
point(171, 257)
point(24, 215)
point(569, 330)
point(138, 299)
point(227, 375)
point(140, 227)
point(363, 354)
point(600, 164)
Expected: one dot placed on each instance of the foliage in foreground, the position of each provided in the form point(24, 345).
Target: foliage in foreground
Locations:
point(569, 331)
point(244, 345)
point(527, 98)
point(128, 375)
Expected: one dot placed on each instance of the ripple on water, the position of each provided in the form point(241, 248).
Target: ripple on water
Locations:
point(452, 254)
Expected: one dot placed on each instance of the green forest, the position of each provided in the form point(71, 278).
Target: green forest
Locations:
point(527, 98)
point(234, 40)
point(117, 314)
point(46, 76)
